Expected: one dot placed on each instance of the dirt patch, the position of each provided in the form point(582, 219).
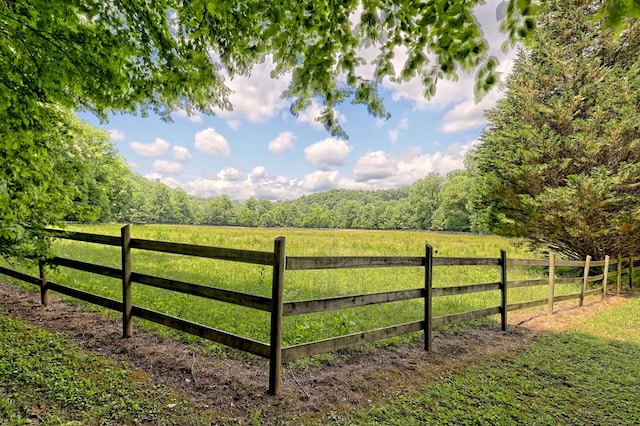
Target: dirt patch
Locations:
point(237, 386)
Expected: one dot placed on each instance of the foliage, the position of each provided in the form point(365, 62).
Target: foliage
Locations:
point(454, 210)
point(71, 170)
point(424, 195)
point(404, 208)
point(170, 55)
point(559, 162)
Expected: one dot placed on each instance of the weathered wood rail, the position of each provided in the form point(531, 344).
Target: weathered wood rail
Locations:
point(278, 308)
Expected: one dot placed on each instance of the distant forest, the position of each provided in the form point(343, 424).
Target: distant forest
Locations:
point(433, 203)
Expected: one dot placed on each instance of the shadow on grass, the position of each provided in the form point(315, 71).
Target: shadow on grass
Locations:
point(570, 378)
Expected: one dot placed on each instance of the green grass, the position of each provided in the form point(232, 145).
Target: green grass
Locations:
point(590, 376)
point(45, 379)
point(299, 285)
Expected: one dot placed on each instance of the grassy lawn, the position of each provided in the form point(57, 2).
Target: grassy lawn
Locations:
point(45, 379)
point(590, 375)
point(587, 376)
point(299, 285)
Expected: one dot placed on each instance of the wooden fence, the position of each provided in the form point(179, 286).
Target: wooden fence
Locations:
point(278, 308)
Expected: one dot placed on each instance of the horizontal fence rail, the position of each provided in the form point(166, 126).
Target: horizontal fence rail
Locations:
point(341, 302)
point(83, 236)
point(300, 263)
point(590, 285)
point(234, 255)
point(223, 295)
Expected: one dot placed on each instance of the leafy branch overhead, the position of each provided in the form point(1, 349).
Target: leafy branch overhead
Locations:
point(166, 55)
point(559, 161)
point(161, 56)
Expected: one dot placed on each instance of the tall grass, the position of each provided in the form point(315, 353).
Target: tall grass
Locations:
point(299, 285)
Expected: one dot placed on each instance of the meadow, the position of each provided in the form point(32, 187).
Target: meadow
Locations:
point(299, 285)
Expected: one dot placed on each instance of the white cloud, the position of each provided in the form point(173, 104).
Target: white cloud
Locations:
point(375, 170)
point(155, 149)
point(375, 165)
point(257, 174)
point(181, 153)
point(153, 176)
point(116, 135)
point(231, 174)
point(161, 166)
point(239, 185)
point(469, 114)
point(194, 117)
point(327, 152)
point(172, 182)
point(255, 98)
point(395, 133)
point(314, 110)
point(320, 180)
point(211, 142)
point(282, 142)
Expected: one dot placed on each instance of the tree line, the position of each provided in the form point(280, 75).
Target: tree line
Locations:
point(433, 203)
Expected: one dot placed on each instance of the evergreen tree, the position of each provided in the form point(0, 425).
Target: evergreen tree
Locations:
point(559, 163)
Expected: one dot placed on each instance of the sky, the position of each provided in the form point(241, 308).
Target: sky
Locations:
point(261, 150)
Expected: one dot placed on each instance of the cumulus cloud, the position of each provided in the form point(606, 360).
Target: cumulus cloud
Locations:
point(375, 165)
point(327, 152)
point(231, 174)
point(211, 142)
point(282, 142)
point(116, 135)
point(161, 166)
point(240, 185)
point(181, 153)
point(319, 181)
point(309, 116)
point(257, 97)
point(469, 114)
point(375, 170)
point(257, 174)
point(155, 149)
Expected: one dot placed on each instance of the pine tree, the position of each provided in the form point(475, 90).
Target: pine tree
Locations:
point(559, 163)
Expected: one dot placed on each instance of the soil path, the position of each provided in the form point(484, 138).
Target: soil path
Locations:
point(236, 386)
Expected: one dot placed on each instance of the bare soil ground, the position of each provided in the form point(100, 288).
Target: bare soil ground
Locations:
point(236, 386)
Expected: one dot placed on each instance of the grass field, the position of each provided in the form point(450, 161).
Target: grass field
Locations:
point(299, 285)
point(588, 376)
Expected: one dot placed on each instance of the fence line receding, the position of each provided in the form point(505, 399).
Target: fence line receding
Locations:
point(278, 308)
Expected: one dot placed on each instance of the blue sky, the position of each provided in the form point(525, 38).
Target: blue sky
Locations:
point(260, 150)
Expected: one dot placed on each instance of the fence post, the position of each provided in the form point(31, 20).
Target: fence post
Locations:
point(44, 294)
point(428, 301)
point(275, 347)
point(585, 277)
point(605, 278)
point(619, 275)
point(125, 247)
point(503, 289)
point(630, 272)
point(552, 281)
